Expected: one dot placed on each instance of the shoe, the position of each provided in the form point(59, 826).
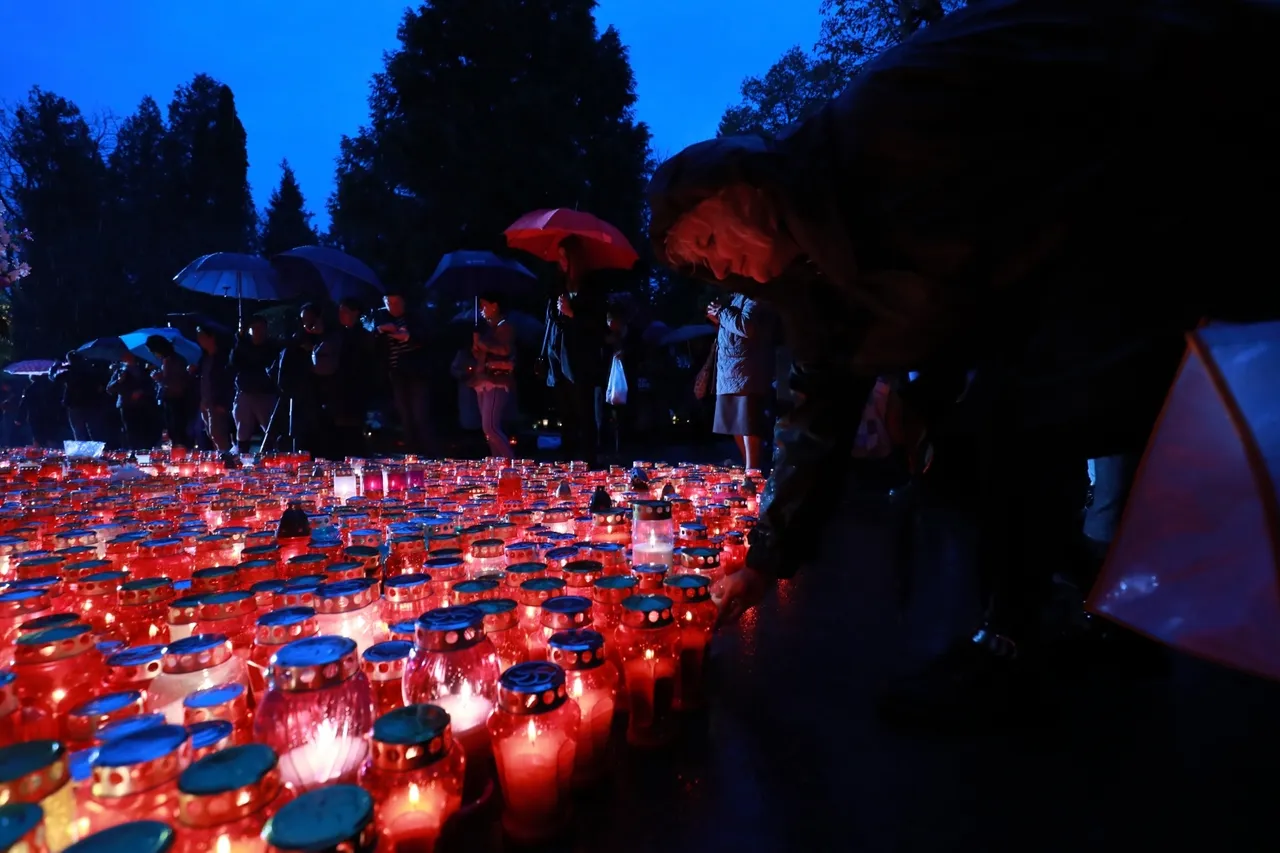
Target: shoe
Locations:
point(977, 683)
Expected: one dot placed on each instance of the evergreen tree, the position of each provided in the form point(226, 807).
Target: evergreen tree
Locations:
point(139, 220)
point(286, 222)
point(58, 191)
point(793, 88)
point(489, 109)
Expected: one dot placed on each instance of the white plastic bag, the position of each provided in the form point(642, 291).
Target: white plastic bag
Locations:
point(615, 393)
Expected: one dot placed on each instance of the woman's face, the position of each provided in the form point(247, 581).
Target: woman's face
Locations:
point(715, 236)
point(564, 259)
point(490, 310)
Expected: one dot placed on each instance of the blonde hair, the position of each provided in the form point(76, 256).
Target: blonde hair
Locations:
point(740, 211)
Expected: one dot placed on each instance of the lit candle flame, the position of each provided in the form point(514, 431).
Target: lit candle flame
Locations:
point(414, 794)
point(648, 654)
point(223, 845)
point(532, 732)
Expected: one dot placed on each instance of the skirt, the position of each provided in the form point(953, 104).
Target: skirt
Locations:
point(742, 414)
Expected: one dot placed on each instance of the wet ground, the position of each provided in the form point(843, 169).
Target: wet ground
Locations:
point(791, 757)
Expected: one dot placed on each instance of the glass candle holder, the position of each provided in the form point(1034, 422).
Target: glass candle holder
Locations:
point(22, 828)
point(84, 720)
point(350, 609)
point(610, 555)
point(608, 593)
point(472, 591)
point(215, 579)
point(97, 602)
point(196, 663)
point(304, 565)
point(518, 573)
point(274, 629)
point(209, 737)
point(444, 573)
point(233, 614)
point(486, 555)
point(317, 712)
point(534, 729)
point(563, 613)
point(531, 595)
point(135, 777)
point(141, 836)
point(405, 596)
point(580, 575)
point(224, 798)
point(18, 606)
point(610, 525)
point(416, 777)
point(134, 667)
point(162, 558)
point(695, 614)
point(228, 702)
point(345, 485)
point(36, 772)
point(649, 576)
point(297, 592)
point(592, 681)
point(181, 616)
point(144, 605)
point(515, 553)
point(57, 669)
point(558, 558)
point(383, 664)
point(653, 533)
point(502, 627)
point(336, 817)
point(10, 710)
point(700, 561)
point(648, 643)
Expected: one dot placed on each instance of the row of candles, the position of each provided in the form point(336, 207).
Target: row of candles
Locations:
point(386, 658)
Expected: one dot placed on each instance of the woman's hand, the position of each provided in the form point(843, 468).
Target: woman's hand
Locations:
point(713, 313)
point(565, 306)
point(739, 592)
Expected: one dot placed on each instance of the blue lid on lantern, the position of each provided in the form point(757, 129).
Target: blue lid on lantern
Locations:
point(323, 819)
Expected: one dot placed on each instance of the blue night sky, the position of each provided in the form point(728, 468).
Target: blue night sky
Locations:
point(300, 68)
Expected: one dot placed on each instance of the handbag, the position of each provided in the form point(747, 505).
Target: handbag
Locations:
point(704, 382)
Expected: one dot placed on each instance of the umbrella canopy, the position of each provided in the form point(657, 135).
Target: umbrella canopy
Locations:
point(104, 349)
point(540, 232)
point(234, 276)
point(320, 270)
point(655, 332)
point(684, 334)
point(529, 329)
point(136, 343)
point(1196, 563)
point(30, 367)
point(466, 275)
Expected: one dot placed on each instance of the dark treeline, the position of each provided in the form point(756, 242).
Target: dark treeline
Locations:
point(484, 110)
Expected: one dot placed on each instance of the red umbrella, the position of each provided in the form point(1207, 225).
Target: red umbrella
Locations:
point(1196, 563)
point(540, 232)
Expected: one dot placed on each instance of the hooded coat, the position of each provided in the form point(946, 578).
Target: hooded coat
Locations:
point(1054, 190)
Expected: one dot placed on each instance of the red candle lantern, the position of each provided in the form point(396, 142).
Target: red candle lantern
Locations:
point(215, 579)
point(444, 573)
point(162, 558)
point(317, 711)
point(10, 710)
point(608, 594)
point(304, 565)
point(518, 573)
point(228, 702)
point(134, 668)
point(36, 772)
point(181, 616)
point(373, 482)
point(648, 643)
point(40, 567)
point(224, 798)
point(347, 825)
point(650, 576)
point(534, 729)
point(144, 604)
point(215, 549)
point(532, 595)
point(232, 614)
point(297, 592)
point(369, 558)
point(57, 669)
point(611, 555)
point(350, 609)
point(274, 629)
point(562, 613)
point(695, 614)
point(472, 591)
point(592, 682)
point(558, 558)
point(581, 575)
point(455, 666)
point(406, 555)
point(383, 664)
point(97, 602)
point(415, 777)
point(196, 663)
point(84, 720)
point(22, 828)
point(135, 777)
point(347, 570)
point(83, 568)
point(515, 553)
point(502, 626)
point(405, 596)
point(487, 555)
point(209, 737)
point(18, 606)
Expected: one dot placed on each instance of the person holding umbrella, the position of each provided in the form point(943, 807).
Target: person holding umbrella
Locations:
point(136, 401)
point(403, 337)
point(252, 359)
point(173, 388)
point(575, 351)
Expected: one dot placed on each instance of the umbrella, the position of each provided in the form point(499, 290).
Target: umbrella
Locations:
point(104, 349)
point(655, 332)
point(540, 232)
point(30, 367)
point(1195, 563)
point(466, 275)
point(684, 334)
point(529, 329)
point(234, 276)
point(136, 343)
point(320, 270)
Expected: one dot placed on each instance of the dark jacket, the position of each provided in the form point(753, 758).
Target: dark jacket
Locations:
point(984, 195)
point(81, 385)
point(354, 376)
point(404, 358)
point(132, 386)
point(575, 345)
point(215, 381)
point(252, 365)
